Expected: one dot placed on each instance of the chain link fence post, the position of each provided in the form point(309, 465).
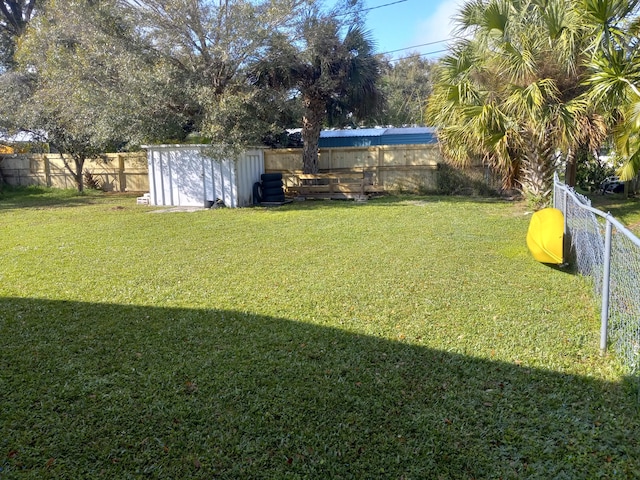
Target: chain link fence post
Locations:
point(606, 282)
point(605, 250)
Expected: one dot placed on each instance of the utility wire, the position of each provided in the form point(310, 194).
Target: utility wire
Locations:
point(418, 55)
point(407, 48)
point(416, 46)
point(371, 8)
point(380, 6)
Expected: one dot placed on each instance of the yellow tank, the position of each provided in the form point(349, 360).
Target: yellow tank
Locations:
point(545, 237)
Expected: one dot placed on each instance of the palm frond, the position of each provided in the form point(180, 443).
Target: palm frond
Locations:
point(630, 168)
point(469, 16)
point(531, 101)
point(519, 61)
point(614, 77)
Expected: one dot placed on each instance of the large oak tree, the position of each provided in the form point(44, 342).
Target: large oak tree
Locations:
point(88, 83)
point(14, 18)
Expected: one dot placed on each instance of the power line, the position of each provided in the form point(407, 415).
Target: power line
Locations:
point(370, 8)
point(380, 6)
point(416, 46)
point(418, 55)
point(406, 48)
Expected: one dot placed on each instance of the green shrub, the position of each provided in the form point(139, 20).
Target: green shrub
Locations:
point(455, 181)
point(591, 171)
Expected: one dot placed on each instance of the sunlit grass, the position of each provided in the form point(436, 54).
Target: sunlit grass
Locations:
point(627, 210)
point(400, 338)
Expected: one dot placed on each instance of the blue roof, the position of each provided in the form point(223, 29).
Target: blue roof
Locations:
point(410, 131)
point(359, 132)
point(365, 137)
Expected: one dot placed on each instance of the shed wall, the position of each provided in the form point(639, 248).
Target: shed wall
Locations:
point(184, 175)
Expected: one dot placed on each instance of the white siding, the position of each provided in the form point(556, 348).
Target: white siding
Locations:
point(183, 175)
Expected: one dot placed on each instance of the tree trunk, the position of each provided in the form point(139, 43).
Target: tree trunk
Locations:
point(76, 170)
point(76, 173)
point(314, 113)
point(536, 174)
point(79, 161)
point(571, 168)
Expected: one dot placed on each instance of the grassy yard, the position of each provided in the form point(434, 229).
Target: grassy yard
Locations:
point(404, 338)
point(627, 210)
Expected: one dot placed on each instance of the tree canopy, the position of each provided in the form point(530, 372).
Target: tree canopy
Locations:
point(614, 73)
point(332, 68)
point(533, 81)
point(511, 93)
point(87, 83)
point(406, 84)
point(14, 17)
point(92, 76)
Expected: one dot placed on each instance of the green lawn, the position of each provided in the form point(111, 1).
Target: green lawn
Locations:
point(627, 210)
point(403, 338)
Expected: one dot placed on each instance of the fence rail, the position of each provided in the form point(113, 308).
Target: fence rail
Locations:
point(404, 168)
point(117, 172)
point(389, 168)
point(607, 251)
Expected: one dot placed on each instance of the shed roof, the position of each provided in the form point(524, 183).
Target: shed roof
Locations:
point(376, 132)
point(20, 137)
point(359, 132)
point(367, 137)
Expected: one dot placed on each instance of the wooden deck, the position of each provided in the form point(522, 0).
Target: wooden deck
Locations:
point(334, 186)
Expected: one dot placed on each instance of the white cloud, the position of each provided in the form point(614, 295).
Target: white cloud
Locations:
point(439, 26)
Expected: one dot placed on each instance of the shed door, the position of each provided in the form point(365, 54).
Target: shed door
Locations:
point(187, 178)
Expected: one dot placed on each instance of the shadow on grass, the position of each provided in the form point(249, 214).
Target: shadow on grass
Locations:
point(43, 197)
point(568, 268)
point(625, 209)
point(115, 391)
point(389, 200)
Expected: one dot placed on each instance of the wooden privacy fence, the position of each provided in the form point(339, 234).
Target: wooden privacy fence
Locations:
point(388, 168)
point(116, 172)
point(399, 168)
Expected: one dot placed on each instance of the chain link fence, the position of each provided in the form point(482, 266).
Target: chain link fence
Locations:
point(604, 249)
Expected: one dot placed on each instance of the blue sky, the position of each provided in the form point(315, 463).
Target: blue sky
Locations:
point(411, 22)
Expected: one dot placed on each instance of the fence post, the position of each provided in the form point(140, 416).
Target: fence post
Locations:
point(566, 240)
point(47, 170)
point(122, 176)
point(564, 210)
point(606, 275)
point(379, 165)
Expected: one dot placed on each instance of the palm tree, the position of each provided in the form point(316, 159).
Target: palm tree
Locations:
point(614, 73)
point(335, 76)
point(510, 93)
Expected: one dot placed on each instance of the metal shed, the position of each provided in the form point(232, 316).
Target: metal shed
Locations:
point(188, 175)
point(370, 137)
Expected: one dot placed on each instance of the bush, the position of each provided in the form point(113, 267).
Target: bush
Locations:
point(454, 181)
point(91, 182)
point(591, 171)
